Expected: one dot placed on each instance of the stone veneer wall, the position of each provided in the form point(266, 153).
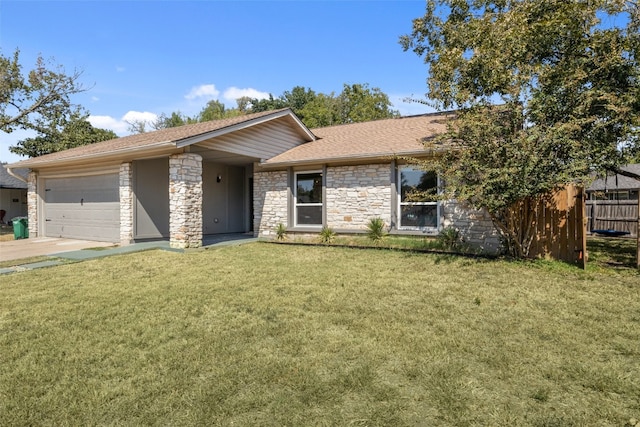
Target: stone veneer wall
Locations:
point(356, 194)
point(126, 204)
point(185, 200)
point(270, 202)
point(32, 203)
point(475, 226)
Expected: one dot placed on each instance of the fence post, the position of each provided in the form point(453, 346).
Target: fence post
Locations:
point(583, 224)
point(638, 236)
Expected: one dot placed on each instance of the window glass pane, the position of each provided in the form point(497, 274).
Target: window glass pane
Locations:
point(413, 182)
point(309, 188)
point(309, 215)
point(418, 216)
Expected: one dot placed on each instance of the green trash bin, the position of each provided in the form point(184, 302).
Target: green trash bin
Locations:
point(20, 228)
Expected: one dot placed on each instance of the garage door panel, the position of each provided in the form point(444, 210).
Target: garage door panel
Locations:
point(83, 208)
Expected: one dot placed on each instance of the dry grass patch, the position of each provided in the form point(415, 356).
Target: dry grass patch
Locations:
point(265, 334)
point(6, 233)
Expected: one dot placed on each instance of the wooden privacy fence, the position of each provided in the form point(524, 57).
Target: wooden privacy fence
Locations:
point(560, 226)
point(619, 215)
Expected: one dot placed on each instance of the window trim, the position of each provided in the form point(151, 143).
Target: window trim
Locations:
point(400, 203)
point(295, 199)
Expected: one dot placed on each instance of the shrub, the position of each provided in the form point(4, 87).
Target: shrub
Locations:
point(449, 238)
point(327, 235)
point(376, 229)
point(281, 232)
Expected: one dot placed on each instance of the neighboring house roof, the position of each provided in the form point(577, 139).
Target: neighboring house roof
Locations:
point(618, 182)
point(404, 136)
point(166, 140)
point(8, 181)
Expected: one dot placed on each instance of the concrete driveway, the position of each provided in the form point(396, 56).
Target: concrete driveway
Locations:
point(26, 248)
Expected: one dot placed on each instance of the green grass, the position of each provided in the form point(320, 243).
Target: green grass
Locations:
point(265, 334)
point(429, 243)
point(617, 253)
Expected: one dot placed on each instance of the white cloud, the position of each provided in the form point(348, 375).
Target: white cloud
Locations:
point(140, 116)
point(234, 93)
point(203, 91)
point(120, 126)
point(95, 99)
point(120, 69)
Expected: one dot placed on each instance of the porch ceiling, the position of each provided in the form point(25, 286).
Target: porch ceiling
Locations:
point(224, 157)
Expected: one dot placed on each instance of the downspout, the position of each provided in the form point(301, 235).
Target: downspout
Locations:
point(15, 175)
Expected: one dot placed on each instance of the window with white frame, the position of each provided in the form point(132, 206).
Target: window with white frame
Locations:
point(418, 207)
point(308, 198)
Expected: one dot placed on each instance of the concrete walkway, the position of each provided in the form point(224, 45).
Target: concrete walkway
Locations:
point(39, 246)
point(65, 250)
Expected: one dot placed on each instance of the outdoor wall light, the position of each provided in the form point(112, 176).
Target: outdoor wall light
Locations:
point(219, 178)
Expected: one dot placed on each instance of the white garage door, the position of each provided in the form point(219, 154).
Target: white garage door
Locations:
point(85, 207)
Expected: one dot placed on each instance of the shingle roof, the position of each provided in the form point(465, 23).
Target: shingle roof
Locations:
point(352, 142)
point(8, 181)
point(366, 140)
point(617, 182)
point(167, 137)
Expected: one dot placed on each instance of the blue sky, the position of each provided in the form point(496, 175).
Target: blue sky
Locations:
point(143, 58)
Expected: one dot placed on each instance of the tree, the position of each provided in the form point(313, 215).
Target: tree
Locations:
point(137, 126)
point(267, 104)
point(174, 120)
point(42, 102)
point(321, 111)
point(356, 103)
point(298, 97)
point(568, 90)
point(359, 103)
point(75, 131)
point(214, 110)
point(37, 101)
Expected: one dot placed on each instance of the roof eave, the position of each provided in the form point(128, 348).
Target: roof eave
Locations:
point(15, 175)
point(348, 159)
point(35, 163)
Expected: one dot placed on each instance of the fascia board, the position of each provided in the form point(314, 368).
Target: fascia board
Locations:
point(122, 152)
point(345, 159)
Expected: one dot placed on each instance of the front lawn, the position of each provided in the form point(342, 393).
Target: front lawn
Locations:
point(265, 334)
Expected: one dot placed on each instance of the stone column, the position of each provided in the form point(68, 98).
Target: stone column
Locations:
point(126, 204)
point(32, 203)
point(185, 200)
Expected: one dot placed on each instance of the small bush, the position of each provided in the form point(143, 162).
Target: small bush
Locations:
point(327, 235)
point(281, 232)
point(449, 238)
point(376, 229)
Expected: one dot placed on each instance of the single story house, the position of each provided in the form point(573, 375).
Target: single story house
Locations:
point(612, 204)
point(245, 174)
point(13, 195)
point(616, 187)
